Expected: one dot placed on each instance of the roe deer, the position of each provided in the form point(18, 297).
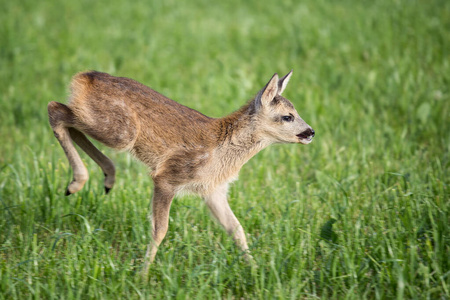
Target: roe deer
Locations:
point(185, 150)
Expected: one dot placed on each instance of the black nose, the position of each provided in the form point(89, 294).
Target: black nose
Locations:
point(307, 133)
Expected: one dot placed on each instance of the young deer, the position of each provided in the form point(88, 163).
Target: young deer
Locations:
point(185, 150)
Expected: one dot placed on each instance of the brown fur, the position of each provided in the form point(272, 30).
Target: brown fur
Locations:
point(186, 150)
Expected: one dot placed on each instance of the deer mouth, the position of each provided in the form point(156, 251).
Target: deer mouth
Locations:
point(306, 136)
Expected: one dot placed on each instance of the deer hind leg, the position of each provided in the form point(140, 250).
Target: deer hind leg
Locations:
point(162, 199)
point(61, 118)
point(102, 160)
point(218, 204)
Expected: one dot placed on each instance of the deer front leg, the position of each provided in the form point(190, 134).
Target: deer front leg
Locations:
point(162, 199)
point(61, 118)
point(102, 160)
point(218, 204)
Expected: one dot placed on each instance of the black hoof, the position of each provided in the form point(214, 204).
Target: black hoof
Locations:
point(107, 189)
point(68, 193)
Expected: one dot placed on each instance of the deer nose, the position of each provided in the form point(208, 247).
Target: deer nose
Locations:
point(308, 133)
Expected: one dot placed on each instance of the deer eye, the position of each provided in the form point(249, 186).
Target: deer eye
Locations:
point(287, 118)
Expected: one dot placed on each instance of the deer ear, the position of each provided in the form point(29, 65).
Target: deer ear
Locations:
point(282, 83)
point(266, 95)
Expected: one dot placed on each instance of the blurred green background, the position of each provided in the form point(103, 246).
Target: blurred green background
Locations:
point(362, 212)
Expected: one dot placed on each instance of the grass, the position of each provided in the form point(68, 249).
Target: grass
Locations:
point(362, 212)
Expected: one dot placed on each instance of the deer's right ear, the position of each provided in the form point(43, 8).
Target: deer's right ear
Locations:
point(283, 82)
point(266, 95)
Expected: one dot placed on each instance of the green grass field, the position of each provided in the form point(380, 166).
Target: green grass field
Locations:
point(361, 213)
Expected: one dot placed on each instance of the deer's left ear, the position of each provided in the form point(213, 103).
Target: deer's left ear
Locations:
point(266, 95)
point(282, 83)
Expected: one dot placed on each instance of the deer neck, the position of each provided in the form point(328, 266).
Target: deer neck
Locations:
point(239, 138)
